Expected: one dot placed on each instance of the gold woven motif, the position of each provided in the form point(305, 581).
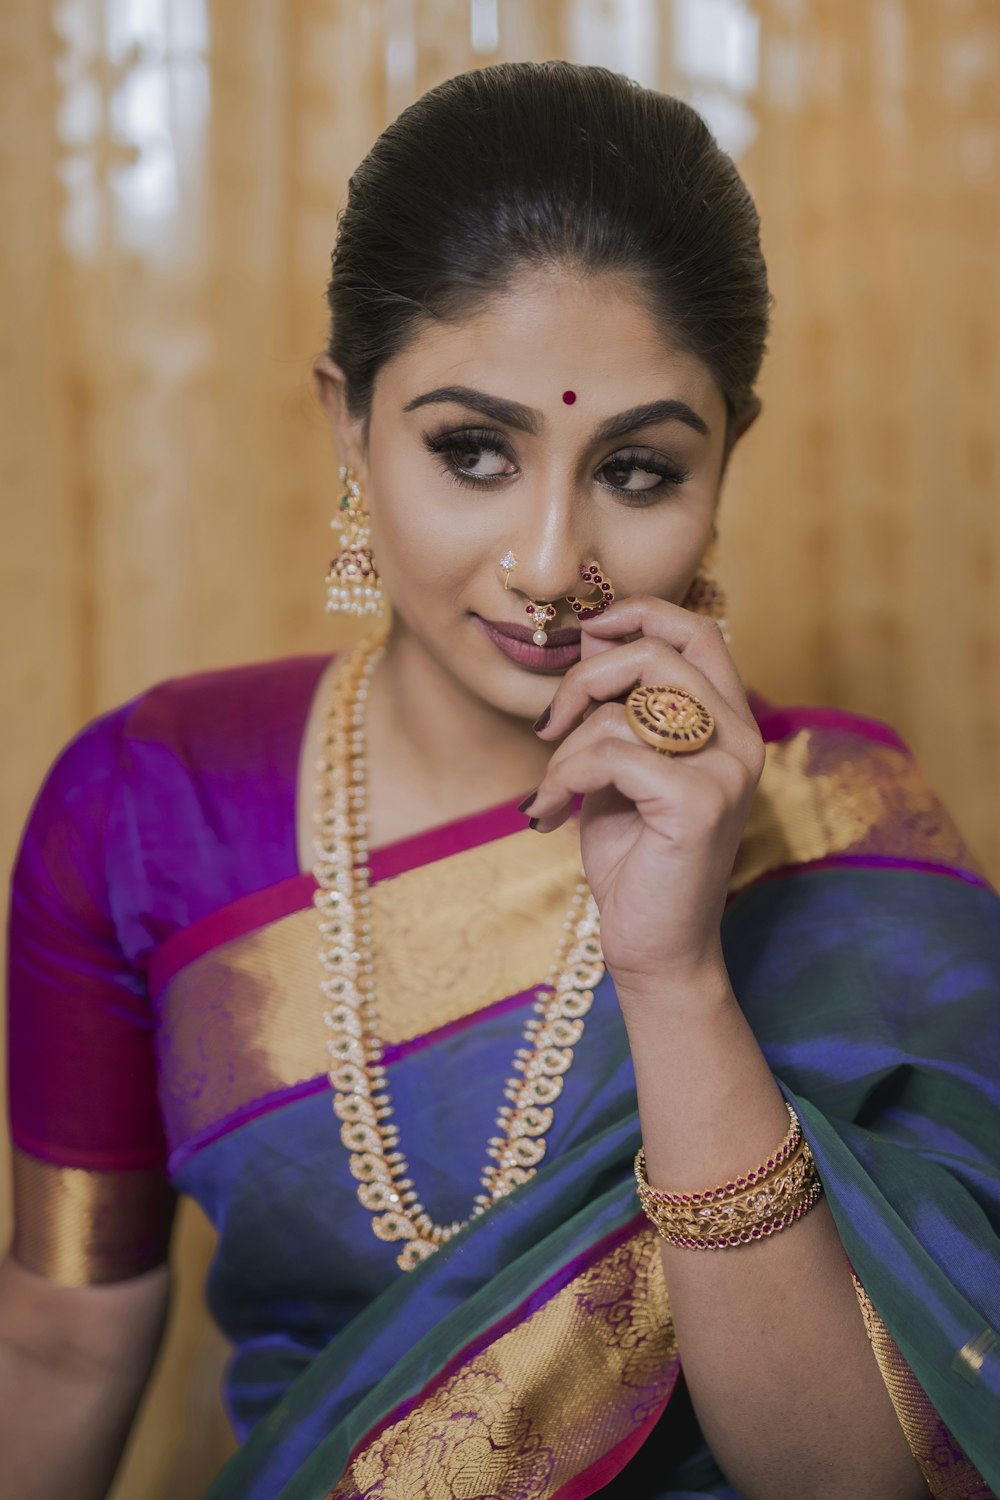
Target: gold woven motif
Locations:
point(237, 1023)
point(508, 1422)
point(949, 1473)
point(827, 792)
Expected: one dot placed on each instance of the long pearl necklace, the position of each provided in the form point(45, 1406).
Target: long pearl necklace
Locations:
point(361, 1099)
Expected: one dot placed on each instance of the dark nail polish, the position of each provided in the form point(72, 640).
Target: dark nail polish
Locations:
point(542, 720)
point(533, 822)
point(523, 806)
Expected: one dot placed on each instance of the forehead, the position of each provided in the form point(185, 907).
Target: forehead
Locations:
point(551, 331)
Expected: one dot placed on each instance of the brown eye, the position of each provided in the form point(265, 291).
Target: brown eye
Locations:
point(628, 477)
point(641, 478)
point(478, 459)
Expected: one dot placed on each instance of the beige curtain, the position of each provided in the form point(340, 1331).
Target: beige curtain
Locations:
point(170, 173)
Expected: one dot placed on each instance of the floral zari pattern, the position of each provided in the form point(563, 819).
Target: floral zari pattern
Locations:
point(508, 1420)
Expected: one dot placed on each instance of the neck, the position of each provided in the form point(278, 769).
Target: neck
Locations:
point(435, 749)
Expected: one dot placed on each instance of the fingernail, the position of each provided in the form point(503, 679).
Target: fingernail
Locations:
point(542, 720)
point(523, 806)
point(533, 822)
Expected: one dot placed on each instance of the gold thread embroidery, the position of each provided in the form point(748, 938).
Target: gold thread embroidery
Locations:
point(950, 1475)
point(82, 1228)
point(825, 792)
point(508, 1422)
point(237, 1023)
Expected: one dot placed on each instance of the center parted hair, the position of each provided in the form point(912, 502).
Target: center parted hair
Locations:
point(530, 165)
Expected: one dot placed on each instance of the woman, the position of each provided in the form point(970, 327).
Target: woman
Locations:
point(403, 1031)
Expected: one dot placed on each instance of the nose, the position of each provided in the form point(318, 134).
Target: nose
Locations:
point(550, 551)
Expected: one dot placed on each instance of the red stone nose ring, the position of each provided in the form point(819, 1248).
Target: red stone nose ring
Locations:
point(586, 609)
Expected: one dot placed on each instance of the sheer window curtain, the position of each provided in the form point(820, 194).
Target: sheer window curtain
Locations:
point(170, 173)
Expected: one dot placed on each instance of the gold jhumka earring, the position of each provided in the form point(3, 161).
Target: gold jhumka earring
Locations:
point(352, 584)
point(706, 595)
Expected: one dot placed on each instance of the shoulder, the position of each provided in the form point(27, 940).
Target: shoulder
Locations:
point(228, 717)
point(255, 709)
point(178, 800)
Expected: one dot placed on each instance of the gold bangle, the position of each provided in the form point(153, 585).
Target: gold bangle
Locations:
point(753, 1207)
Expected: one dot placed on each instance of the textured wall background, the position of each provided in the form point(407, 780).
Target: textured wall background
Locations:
point(170, 174)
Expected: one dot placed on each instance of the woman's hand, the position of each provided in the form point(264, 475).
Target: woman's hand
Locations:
point(659, 833)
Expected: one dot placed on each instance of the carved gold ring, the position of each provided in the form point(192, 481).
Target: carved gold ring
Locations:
point(672, 721)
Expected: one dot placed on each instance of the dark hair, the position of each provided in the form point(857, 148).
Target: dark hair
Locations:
point(533, 164)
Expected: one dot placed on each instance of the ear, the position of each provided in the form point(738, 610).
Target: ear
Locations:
point(743, 422)
point(330, 385)
point(746, 419)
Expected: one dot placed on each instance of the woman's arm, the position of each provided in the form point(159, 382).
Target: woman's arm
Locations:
point(771, 1338)
point(774, 1349)
point(73, 1365)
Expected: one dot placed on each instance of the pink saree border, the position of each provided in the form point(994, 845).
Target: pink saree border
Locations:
point(581, 1485)
point(284, 897)
point(778, 722)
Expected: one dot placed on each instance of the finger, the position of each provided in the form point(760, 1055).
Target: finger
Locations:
point(659, 786)
point(612, 676)
point(695, 636)
point(606, 733)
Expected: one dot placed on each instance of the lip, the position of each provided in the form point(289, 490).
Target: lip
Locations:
point(514, 642)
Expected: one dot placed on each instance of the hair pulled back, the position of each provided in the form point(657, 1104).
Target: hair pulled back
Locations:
point(525, 165)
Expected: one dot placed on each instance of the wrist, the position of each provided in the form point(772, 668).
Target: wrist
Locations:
point(701, 988)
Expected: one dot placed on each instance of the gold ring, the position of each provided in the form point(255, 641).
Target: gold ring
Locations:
point(672, 721)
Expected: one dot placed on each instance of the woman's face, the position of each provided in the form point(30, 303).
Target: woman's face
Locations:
point(555, 423)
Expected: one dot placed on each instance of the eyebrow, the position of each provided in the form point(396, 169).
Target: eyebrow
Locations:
point(513, 414)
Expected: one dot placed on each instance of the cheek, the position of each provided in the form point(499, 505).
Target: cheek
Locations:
point(421, 546)
point(661, 560)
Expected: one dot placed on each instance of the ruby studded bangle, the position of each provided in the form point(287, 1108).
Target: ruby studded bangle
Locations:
point(751, 1207)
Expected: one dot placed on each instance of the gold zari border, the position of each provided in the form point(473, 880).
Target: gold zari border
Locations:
point(452, 938)
point(81, 1228)
point(459, 934)
point(827, 792)
point(509, 1421)
point(948, 1472)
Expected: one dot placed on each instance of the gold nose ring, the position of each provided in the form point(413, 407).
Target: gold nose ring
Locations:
point(585, 609)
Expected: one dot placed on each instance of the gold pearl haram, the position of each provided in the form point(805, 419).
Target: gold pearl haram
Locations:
point(361, 1099)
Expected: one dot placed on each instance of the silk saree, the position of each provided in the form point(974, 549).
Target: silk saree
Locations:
point(167, 1037)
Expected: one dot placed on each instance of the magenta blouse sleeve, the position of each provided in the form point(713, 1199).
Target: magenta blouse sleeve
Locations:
point(92, 1199)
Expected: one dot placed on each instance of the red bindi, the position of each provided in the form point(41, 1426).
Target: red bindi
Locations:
point(569, 397)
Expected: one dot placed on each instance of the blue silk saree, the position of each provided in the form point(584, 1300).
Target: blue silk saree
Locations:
point(533, 1356)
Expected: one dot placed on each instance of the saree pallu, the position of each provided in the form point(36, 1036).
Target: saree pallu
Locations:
point(534, 1355)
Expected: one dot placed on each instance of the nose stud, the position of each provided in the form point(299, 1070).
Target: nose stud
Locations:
point(508, 562)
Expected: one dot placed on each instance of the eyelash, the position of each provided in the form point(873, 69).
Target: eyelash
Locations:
point(445, 446)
